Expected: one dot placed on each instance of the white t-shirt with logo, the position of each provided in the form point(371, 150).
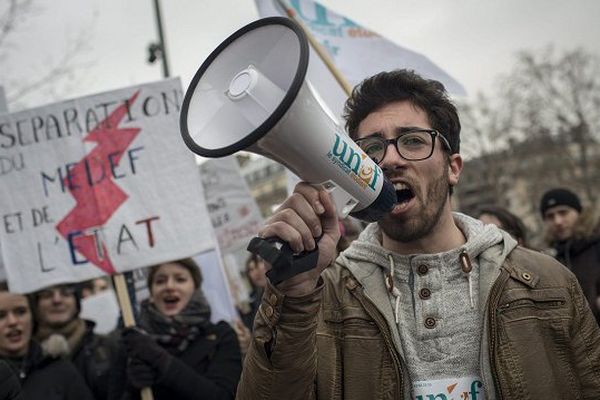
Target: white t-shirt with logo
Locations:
point(465, 388)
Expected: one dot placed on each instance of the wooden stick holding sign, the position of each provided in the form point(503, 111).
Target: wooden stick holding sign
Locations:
point(128, 317)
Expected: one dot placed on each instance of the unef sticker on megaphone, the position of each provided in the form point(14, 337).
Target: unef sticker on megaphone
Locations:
point(354, 162)
point(346, 156)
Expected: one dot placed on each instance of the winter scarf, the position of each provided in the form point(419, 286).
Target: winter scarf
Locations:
point(61, 341)
point(179, 331)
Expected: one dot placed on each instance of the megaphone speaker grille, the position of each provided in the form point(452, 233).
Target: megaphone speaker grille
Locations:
point(244, 87)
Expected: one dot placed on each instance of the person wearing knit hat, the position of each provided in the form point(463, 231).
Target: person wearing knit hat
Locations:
point(560, 210)
point(573, 232)
point(559, 197)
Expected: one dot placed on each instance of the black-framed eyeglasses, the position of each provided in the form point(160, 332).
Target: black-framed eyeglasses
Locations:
point(413, 145)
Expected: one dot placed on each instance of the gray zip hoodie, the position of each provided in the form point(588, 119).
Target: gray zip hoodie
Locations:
point(435, 310)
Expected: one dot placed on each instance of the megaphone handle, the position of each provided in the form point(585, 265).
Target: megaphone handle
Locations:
point(285, 264)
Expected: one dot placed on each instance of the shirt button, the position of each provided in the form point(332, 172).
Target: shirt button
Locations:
point(429, 323)
point(273, 299)
point(425, 293)
point(422, 269)
point(268, 311)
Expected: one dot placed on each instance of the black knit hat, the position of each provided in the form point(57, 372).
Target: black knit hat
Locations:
point(559, 197)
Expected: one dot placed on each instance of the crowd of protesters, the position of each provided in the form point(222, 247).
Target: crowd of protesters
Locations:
point(47, 349)
point(41, 375)
point(50, 352)
point(296, 345)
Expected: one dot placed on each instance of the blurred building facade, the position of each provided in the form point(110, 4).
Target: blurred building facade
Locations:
point(267, 181)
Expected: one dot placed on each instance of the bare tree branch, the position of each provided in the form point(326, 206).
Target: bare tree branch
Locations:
point(56, 74)
point(58, 71)
point(542, 130)
point(12, 16)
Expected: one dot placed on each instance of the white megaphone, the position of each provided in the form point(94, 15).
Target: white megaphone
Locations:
point(251, 94)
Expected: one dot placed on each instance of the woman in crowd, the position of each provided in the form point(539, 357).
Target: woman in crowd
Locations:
point(506, 221)
point(256, 273)
point(176, 350)
point(41, 376)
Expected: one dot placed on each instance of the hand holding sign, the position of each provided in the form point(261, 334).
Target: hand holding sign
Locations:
point(148, 361)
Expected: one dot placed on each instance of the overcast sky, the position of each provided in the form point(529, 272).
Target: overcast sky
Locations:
point(473, 40)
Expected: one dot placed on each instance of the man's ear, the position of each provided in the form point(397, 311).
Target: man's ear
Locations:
point(455, 166)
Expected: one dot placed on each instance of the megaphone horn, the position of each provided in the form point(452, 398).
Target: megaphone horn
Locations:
point(251, 94)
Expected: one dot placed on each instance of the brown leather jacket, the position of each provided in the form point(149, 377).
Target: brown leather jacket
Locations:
point(540, 340)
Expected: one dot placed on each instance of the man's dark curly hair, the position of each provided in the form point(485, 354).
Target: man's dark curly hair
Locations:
point(404, 85)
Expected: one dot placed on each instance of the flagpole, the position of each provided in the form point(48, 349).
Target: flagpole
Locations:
point(341, 80)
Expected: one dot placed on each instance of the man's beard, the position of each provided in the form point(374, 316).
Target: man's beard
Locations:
point(409, 228)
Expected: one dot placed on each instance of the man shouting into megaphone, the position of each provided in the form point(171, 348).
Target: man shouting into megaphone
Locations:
point(426, 303)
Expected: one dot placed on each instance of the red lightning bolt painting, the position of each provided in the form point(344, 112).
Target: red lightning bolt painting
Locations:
point(96, 195)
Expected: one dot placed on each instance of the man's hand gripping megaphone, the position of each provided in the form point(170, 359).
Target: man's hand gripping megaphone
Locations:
point(299, 240)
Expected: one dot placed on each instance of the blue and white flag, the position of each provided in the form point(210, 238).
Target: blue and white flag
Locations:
point(356, 51)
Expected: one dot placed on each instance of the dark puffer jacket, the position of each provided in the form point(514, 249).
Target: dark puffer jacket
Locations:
point(92, 359)
point(208, 369)
point(9, 383)
point(582, 257)
point(44, 377)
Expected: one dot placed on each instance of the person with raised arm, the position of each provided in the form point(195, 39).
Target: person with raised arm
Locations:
point(426, 303)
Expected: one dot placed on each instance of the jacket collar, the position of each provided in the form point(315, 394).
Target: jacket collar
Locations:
point(370, 275)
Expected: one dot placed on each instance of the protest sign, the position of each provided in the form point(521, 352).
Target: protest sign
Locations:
point(215, 287)
point(235, 217)
point(103, 309)
point(3, 109)
point(234, 214)
point(3, 101)
point(98, 185)
point(2, 271)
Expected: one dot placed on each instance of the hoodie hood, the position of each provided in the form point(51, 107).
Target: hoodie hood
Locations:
point(486, 245)
point(487, 241)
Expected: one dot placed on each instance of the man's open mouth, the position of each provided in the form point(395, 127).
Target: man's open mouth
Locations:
point(404, 193)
